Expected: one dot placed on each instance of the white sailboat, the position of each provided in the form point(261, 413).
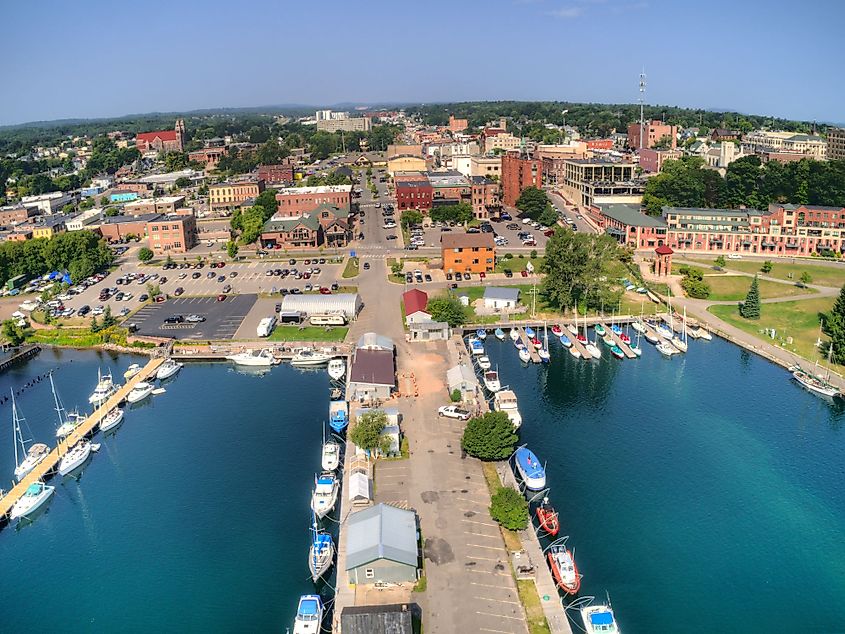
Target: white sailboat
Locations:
point(592, 346)
point(35, 497)
point(543, 352)
point(67, 421)
point(524, 355)
point(514, 334)
point(25, 459)
point(75, 457)
point(681, 342)
point(337, 369)
point(111, 420)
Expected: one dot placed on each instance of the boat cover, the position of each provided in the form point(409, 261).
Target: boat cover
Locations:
point(327, 481)
point(308, 607)
point(601, 618)
point(33, 489)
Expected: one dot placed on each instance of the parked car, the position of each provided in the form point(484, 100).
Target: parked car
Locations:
point(174, 319)
point(194, 319)
point(221, 298)
point(453, 411)
point(179, 290)
point(366, 266)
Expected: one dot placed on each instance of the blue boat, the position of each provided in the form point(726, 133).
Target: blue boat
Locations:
point(500, 334)
point(481, 334)
point(338, 420)
point(530, 332)
point(475, 346)
point(565, 341)
point(616, 329)
point(532, 472)
point(309, 615)
point(321, 554)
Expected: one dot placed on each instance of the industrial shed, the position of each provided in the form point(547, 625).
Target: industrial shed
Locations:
point(379, 619)
point(381, 545)
point(347, 303)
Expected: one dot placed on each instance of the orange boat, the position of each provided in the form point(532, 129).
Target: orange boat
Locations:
point(548, 518)
point(565, 572)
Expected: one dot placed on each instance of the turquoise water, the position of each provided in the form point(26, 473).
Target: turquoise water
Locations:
point(192, 517)
point(705, 493)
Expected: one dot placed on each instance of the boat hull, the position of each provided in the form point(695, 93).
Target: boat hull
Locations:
point(110, 421)
point(28, 505)
point(75, 458)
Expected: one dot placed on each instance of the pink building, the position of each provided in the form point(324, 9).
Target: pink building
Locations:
point(652, 160)
point(652, 132)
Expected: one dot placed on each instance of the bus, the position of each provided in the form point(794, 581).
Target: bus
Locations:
point(328, 319)
point(265, 326)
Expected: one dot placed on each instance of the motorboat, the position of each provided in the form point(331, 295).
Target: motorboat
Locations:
point(330, 455)
point(141, 391)
point(557, 331)
point(324, 496)
point(337, 369)
point(651, 337)
point(131, 371)
point(599, 619)
point(564, 570)
point(158, 390)
point(105, 388)
point(305, 357)
point(484, 362)
point(476, 347)
point(600, 330)
point(505, 401)
point(814, 383)
point(548, 518)
point(75, 457)
point(616, 351)
point(111, 420)
point(500, 334)
point(168, 369)
point(529, 332)
point(524, 355)
point(35, 496)
point(533, 473)
point(666, 349)
point(514, 334)
point(261, 358)
point(536, 343)
point(338, 420)
point(574, 352)
point(25, 459)
point(565, 341)
point(481, 334)
point(491, 381)
point(309, 615)
point(320, 554)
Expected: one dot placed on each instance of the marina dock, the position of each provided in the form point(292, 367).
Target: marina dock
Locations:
point(626, 349)
point(575, 343)
point(25, 352)
point(532, 351)
point(51, 462)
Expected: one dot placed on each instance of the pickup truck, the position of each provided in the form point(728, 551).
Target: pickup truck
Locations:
point(453, 411)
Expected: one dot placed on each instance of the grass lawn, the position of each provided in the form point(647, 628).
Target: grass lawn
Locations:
point(308, 333)
point(517, 264)
point(798, 320)
point(351, 268)
point(537, 623)
point(735, 287)
point(821, 274)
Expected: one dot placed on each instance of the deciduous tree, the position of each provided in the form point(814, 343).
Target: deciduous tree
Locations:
point(489, 437)
point(509, 509)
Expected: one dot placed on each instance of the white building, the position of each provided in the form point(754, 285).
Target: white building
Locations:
point(84, 220)
point(497, 298)
point(347, 303)
point(814, 147)
point(48, 203)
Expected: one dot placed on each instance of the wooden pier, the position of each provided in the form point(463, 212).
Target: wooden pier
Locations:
point(51, 462)
point(532, 351)
point(626, 349)
point(575, 343)
point(25, 352)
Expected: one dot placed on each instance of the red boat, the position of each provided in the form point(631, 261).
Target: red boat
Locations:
point(625, 338)
point(536, 343)
point(582, 338)
point(562, 564)
point(548, 519)
point(557, 331)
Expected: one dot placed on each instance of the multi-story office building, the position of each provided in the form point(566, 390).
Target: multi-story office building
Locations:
point(233, 194)
point(836, 144)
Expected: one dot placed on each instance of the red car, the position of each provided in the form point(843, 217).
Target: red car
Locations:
point(482, 275)
point(325, 290)
point(221, 298)
point(549, 233)
point(524, 273)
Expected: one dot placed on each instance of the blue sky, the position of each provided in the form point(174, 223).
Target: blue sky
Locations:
point(93, 58)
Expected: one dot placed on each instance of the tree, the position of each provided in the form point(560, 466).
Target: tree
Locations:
point(367, 432)
point(806, 278)
point(411, 217)
point(95, 325)
point(232, 249)
point(693, 283)
point(509, 508)
point(455, 396)
point(750, 308)
point(833, 325)
point(490, 436)
point(145, 254)
point(13, 333)
point(766, 267)
point(720, 261)
point(153, 290)
point(183, 181)
point(533, 202)
point(447, 309)
point(549, 217)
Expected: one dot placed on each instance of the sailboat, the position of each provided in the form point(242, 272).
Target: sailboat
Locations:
point(321, 552)
point(703, 333)
point(75, 457)
point(500, 334)
point(524, 355)
point(481, 334)
point(636, 349)
point(514, 334)
point(111, 420)
point(666, 349)
point(67, 421)
point(543, 352)
point(814, 382)
point(529, 332)
point(26, 460)
point(591, 346)
point(681, 342)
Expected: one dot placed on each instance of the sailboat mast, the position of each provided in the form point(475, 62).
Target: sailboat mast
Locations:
point(59, 408)
point(16, 428)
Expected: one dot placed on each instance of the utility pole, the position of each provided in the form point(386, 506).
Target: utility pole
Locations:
point(642, 116)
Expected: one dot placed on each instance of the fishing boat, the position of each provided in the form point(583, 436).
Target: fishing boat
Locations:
point(337, 369)
point(309, 615)
point(524, 355)
point(616, 351)
point(338, 416)
point(475, 346)
point(105, 388)
point(131, 371)
point(529, 332)
point(111, 420)
point(666, 349)
point(168, 369)
point(324, 496)
point(564, 570)
point(305, 357)
point(320, 554)
point(257, 358)
point(484, 363)
point(330, 458)
point(557, 331)
point(141, 391)
point(548, 518)
point(481, 334)
point(565, 341)
point(514, 334)
point(27, 459)
point(533, 473)
point(599, 619)
point(75, 457)
point(35, 496)
point(491, 381)
point(505, 401)
point(500, 334)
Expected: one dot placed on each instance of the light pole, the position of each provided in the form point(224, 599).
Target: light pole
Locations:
point(563, 132)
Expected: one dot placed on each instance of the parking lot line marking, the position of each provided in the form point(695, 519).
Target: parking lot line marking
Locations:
point(501, 616)
point(483, 558)
point(487, 547)
point(487, 585)
point(497, 600)
point(482, 535)
point(487, 629)
point(477, 522)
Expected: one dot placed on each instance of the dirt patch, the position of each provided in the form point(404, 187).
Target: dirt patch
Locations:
point(429, 497)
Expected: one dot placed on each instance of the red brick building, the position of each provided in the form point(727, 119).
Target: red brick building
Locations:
point(457, 125)
point(518, 173)
point(173, 233)
point(162, 140)
point(413, 191)
point(116, 228)
point(652, 132)
point(599, 144)
point(296, 201)
point(486, 200)
point(276, 174)
point(209, 156)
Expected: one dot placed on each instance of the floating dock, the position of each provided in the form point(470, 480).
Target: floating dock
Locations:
point(532, 351)
point(51, 462)
point(575, 343)
point(626, 349)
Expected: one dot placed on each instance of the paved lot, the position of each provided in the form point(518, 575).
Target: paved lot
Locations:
point(222, 319)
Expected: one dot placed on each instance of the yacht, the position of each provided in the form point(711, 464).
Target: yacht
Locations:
point(141, 391)
point(307, 357)
point(309, 615)
point(331, 455)
point(27, 459)
point(599, 619)
point(562, 563)
point(484, 362)
point(75, 457)
point(814, 383)
point(491, 381)
point(131, 371)
point(168, 369)
point(105, 388)
point(505, 401)
point(34, 498)
point(324, 496)
point(111, 420)
point(337, 369)
point(262, 358)
point(476, 347)
point(533, 473)
point(320, 554)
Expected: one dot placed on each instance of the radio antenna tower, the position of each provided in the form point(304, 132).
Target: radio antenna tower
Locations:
point(642, 97)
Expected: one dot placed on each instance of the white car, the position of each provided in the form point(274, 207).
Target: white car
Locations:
point(453, 411)
point(734, 256)
point(526, 221)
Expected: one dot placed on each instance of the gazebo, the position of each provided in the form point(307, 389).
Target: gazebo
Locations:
point(663, 261)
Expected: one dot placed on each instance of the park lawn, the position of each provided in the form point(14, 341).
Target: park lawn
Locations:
point(823, 275)
point(351, 269)
point(735, 288)
point(517, 264)
point(308, 333)
point(798, 320)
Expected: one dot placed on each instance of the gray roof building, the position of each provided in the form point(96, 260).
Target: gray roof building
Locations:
point(381, 545)
point(378, 619)
point(347, 303)
point(630, 215)
point(501, 294)
point(374, 341)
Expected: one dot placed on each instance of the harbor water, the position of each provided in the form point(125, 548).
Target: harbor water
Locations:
point(704, 492)
point(193, 516)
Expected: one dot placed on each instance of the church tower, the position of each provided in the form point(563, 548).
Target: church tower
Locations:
point(180, 133)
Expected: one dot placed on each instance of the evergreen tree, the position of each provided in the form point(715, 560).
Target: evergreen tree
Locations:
point(833, 326)
point(750, 308)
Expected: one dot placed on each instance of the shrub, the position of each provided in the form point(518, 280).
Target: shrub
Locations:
point(508, 256)
point(455, 395)
point(509, 509)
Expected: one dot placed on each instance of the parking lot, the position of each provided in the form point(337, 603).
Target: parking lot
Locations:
point(221, 318)
point(432, 234)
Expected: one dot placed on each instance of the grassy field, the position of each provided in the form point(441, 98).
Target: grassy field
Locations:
point(823, 275)
point(735, 287)
point(517, 264)
point(796, 320)
point(308, 333)
point(537, 623)
point(351, 268)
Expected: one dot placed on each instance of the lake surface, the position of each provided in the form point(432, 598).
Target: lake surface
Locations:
point(705, 493)
point(194, 516)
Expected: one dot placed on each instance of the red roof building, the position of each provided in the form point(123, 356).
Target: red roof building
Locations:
point(162, 140)
point(415, 302)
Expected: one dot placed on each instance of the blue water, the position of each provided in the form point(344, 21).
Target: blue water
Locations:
point(705, 493)
point(192, 517)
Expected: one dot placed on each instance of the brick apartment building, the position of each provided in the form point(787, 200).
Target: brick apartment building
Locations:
point(208, 156)
point(449, 187)
point(16, 215)
point(518, 173)
point(652, 132)
point(413, 191)
point(486, 200)
point(172, 233)
point(276, 174)
point(457, 125)
point(162, 140)
point(296, 201)
point(117, 228)
point(468, 252)
point(233, 194)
